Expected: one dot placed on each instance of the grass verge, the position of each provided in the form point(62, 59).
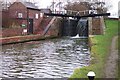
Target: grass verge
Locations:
point(99, 52)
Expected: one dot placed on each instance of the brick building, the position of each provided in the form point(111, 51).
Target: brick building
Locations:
point(23, 15)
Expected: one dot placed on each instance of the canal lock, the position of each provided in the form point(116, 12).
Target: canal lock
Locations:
point(55, 58)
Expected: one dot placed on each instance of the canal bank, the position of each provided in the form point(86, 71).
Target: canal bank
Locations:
point(99, 52)
point(21, 39)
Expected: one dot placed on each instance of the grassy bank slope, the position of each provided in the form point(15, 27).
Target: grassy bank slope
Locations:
point(99, 51)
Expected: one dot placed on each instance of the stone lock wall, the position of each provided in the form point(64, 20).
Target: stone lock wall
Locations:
point(96, 26)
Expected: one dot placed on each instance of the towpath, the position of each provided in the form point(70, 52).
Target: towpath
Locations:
point(111, 63)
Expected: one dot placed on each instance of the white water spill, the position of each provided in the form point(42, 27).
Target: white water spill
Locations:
point(56, 58)
point(77, 36)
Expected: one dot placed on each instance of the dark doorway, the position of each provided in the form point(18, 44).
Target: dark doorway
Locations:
point(30, 29)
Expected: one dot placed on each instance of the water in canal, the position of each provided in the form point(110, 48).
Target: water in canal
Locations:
point(55, 58)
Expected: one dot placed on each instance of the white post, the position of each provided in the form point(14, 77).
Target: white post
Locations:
point(91, 75)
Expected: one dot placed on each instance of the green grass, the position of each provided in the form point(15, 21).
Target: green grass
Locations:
point(99, 51)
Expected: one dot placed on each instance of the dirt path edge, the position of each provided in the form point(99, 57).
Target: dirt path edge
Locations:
point(111, 63)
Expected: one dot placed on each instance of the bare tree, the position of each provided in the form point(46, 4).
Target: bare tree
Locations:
point(5, 4)
point(78, 6)
point(82, 5)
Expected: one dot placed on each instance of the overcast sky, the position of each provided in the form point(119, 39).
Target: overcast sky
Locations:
point(114, 9)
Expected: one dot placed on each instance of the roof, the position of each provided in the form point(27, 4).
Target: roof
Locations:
point(30, 5)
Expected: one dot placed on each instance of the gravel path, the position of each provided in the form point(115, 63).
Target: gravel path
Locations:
point(111, 64)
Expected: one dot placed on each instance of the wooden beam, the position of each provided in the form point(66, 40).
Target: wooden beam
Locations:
point(76, 16)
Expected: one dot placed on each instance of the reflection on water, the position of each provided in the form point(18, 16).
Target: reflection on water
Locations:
point(44, 59)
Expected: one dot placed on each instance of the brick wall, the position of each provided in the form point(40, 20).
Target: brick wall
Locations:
point(42, 25)
point(96, 26)
point(5, 18)
point(12, 32)
point(36, 22)
point(16, 8)
point(54, 29)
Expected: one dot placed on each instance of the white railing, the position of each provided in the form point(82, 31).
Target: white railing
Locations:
point(71, 12)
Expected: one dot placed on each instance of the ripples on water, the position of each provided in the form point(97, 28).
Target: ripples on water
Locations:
point(55, 58)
